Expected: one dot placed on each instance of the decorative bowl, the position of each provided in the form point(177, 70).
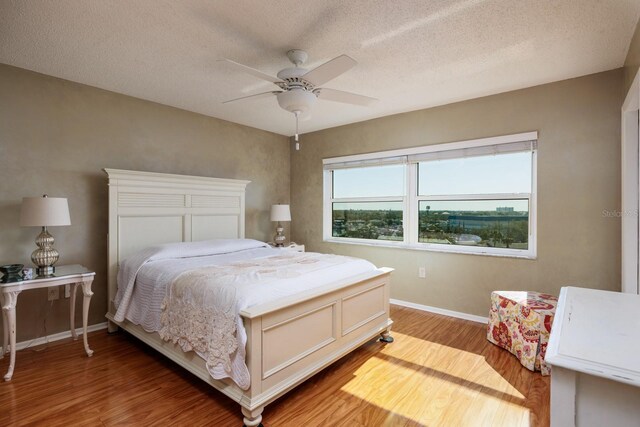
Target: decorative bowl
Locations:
point(11, 269)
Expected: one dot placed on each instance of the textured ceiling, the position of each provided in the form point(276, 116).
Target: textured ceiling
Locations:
point(412, 54)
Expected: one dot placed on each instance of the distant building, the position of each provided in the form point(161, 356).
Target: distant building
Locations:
point(475, 222)
point(504, 209)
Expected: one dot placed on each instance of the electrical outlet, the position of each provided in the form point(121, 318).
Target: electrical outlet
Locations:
point(67, 291)
point(422, 272)
point(54, 293)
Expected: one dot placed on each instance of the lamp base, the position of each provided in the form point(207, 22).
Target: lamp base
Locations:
point(45, 256)
point(279, 238)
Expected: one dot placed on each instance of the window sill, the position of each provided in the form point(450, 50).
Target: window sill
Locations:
point(421, 247)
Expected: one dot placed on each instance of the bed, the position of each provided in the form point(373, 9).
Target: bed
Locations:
point(288, 339)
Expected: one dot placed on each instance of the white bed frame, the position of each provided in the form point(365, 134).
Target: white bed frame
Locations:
point(289, 340)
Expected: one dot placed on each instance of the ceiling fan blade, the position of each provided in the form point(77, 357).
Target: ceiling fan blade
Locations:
point(255, 96)
point(330, 70)
point(345, 97)
point(256, 73)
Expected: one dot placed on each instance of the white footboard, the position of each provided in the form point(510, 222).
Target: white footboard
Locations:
point(297, 337)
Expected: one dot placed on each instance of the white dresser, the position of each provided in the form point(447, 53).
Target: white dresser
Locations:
point(594, 350)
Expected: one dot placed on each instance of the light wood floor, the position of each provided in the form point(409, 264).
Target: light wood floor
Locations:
point(440, 371)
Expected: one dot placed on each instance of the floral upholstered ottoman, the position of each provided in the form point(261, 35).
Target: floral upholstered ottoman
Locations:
point(521, 322)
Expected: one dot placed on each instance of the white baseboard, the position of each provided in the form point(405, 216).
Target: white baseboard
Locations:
point(59, 336)
point(442, 311)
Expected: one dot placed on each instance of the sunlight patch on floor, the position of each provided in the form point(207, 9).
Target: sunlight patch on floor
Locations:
point(437, 385)
point(459, 365)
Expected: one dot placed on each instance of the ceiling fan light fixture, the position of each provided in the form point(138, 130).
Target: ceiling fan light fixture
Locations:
point(298, 100)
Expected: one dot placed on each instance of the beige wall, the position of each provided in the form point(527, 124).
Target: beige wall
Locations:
point(632, 62)
point(578, 122)
point(56, 136)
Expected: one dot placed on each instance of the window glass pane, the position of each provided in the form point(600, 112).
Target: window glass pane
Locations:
point(368, 220)
point(488, 223)
point(375, 181)
point(502, 173)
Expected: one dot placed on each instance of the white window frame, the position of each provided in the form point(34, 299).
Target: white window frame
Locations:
point(328, 214)
point(411, 198)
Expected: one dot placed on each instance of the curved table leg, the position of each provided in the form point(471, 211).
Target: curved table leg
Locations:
point(9, 309)
point(72, 311)
point(86, 290)
point(5, 327)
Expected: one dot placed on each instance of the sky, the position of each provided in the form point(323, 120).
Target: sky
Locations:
point(503, 173)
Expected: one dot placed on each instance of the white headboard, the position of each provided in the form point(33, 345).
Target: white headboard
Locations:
point(147, 208)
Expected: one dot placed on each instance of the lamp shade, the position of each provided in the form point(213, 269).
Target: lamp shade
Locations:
point(44, 212)
point(280, 213)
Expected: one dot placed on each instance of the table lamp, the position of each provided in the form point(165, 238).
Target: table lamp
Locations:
point(280, 213)
point(44, 212)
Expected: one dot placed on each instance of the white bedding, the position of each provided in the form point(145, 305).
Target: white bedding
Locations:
point(144, 278)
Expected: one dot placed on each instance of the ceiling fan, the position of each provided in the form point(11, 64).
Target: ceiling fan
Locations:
point(299, 87)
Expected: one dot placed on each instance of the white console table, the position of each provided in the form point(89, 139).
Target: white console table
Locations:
point(74, 275)
point(594, 350)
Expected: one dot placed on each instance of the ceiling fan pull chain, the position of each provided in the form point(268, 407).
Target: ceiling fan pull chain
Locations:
point(297, 113)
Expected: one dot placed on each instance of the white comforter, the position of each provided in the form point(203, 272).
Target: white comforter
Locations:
point(145, 279)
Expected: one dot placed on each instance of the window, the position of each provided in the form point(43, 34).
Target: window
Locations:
point(469, 197)
point(368, 202)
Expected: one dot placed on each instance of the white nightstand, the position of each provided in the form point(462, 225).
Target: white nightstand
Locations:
point(75, 275)
point(289, 247)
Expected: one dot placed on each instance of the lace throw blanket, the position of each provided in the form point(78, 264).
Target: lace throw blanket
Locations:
point(201, 311)
point(130, 267)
